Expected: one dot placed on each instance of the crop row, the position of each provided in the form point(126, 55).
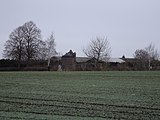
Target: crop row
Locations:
point(43, 102)
point(74, 108)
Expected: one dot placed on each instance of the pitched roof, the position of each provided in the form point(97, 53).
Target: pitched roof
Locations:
point(114, 60)
point(85, 59)
point(129, 59)
point(82, 59)
point(70, 54)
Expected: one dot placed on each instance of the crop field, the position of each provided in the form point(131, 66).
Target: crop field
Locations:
point(80, 95)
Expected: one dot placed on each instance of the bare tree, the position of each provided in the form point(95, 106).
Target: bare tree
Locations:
point(32, 39)
point(14, 47)
point(50, 49)
point(147, 55)
point(42, 52)
point(24, 43)
point(152, 54)
point(98, 48)
point(141, 54)
point(142, 57)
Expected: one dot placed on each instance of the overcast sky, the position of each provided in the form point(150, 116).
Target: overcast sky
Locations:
point(128, 24)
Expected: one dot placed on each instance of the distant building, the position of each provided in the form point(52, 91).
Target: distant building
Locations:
point(85, 63)
point(69, 62)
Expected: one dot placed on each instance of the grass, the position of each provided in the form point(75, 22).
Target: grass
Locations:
point(80, 95)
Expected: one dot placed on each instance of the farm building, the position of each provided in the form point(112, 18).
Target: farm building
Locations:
point(70, 62)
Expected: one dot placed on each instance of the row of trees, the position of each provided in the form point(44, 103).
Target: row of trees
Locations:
point(25, 44)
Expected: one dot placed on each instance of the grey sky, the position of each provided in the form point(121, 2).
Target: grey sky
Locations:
point(128, 24)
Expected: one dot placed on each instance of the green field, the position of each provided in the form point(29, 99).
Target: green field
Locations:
point(80, 95)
